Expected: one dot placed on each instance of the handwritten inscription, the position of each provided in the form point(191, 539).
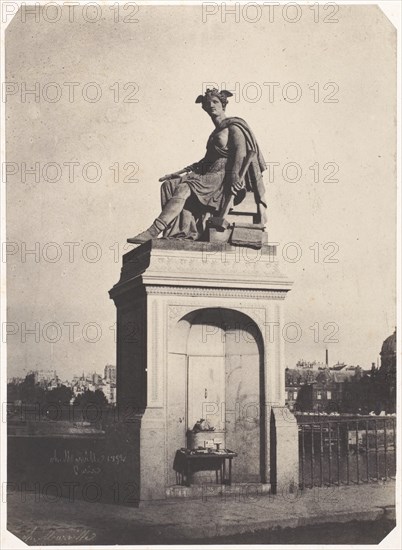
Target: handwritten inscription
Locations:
point(87, 462)
point(62, 535)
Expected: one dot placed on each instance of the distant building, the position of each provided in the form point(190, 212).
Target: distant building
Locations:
point(109, 389)
point(109, 381)
point(387, 371)
point(95, 382)
point(313, 365)
point(15, 380)
point(96, 378)
point(324, 396)
point(388, 353)
point(295, 381)
point(291, 395)
point(338, 366)
point(317, 391)
point(110, 373)
point(47, 379)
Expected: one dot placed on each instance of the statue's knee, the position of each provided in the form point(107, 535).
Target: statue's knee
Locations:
point(166, 185)
point(182, 191)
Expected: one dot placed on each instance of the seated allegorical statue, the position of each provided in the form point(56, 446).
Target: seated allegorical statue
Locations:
point(204, 186)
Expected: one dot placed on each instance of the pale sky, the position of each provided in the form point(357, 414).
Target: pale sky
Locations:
point(170, 54)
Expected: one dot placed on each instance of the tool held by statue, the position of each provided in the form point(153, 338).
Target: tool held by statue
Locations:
point(174, 175)
point(219, 222)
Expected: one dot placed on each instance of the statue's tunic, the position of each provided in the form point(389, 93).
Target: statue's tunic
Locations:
point(211, 179)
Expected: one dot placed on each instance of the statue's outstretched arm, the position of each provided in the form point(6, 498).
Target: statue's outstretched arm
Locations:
point(195, 166)
point(184, 170)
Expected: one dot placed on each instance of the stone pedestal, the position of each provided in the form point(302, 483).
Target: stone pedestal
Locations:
point(174, 299)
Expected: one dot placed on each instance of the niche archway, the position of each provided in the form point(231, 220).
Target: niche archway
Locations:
point(215, 369)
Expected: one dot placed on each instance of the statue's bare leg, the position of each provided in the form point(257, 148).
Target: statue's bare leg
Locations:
point(170, 211)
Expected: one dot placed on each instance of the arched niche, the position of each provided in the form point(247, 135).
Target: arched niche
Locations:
point(215, 370)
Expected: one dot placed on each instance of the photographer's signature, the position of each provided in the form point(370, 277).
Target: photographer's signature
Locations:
point(62, 535)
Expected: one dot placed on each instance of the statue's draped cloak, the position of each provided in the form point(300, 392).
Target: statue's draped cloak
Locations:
point(211, 179)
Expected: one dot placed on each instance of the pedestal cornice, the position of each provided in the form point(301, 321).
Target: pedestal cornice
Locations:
point(176, 263)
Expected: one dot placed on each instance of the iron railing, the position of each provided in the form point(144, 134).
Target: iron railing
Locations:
point(347, 450)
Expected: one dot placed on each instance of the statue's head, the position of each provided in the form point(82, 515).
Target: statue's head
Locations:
point(212, 94)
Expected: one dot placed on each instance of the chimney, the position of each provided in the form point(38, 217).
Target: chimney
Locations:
point(326, 357)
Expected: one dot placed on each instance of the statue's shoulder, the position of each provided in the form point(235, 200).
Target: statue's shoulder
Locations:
point(235, 122)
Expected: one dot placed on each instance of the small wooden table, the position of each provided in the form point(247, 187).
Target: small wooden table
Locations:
point(186, 461)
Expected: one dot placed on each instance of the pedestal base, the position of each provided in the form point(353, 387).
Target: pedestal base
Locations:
point(194, 337)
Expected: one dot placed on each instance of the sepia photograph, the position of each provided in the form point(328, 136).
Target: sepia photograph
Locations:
point(200, 299)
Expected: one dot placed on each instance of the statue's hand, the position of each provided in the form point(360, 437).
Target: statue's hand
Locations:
point(237, 186)
point(173, 175)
